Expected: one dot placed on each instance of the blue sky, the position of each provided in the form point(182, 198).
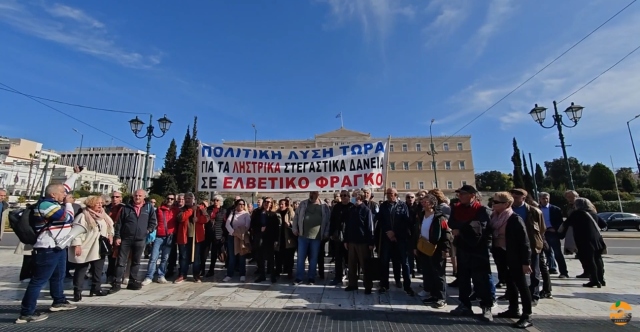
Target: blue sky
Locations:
point(291, 66)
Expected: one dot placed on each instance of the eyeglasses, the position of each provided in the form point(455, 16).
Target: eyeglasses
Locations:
point(498, 202)
point(116, 196)
point(241, 204)
point(170, 199)
point(266, 202)
point(411, 197)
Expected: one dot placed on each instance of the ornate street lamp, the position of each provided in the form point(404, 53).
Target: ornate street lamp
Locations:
point(136, 127)
point(573, 112)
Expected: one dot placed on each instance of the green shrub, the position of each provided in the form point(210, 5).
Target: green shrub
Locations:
point(590, 194)
point(228, 202)
point(556, 197)
point(613, 206)
point(612, 195)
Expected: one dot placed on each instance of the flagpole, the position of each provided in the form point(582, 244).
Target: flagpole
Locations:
point(341, 121)
point(195, 205)
point(386, 156)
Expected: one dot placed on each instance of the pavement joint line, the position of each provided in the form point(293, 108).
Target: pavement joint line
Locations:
point(142, 320)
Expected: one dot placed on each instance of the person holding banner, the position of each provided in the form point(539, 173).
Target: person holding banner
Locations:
point(265, 228)
point(288, 241)
point(189, 235)
point(311, 226)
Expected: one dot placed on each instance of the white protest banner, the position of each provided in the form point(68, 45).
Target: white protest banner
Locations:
point(246, 169)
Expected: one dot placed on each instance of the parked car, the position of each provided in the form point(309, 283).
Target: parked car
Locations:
point(620, 220)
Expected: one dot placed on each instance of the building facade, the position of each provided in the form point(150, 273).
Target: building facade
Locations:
point(21, 150)
point(411, 166)
point(87, 180)
point(127, 164)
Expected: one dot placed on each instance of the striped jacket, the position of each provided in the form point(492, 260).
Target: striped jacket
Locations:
point(57, 218)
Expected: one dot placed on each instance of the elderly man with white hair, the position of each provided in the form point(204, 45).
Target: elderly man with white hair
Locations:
point(214, 234)
point(135, 222)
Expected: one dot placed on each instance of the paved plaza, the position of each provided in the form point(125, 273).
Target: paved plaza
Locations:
point(573, 306)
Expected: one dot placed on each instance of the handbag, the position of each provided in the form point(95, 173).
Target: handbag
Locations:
point(105, 246)
point(426, 247)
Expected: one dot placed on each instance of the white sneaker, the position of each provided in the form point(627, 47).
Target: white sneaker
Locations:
point(421, 294)
point(161, 280)
point(146, 281)
point(242, 279)
point(226, 279)
point(125, 281)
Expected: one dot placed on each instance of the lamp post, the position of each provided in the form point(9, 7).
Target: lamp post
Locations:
point(635, 154)
point(136, 126)
point(574, 113)
point(79, 150)
point(432, 152)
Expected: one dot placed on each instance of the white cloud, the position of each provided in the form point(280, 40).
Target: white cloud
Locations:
point(450, 14)
point(376, 17)
point(609, 101)
point(497, 13)
point(73, 28)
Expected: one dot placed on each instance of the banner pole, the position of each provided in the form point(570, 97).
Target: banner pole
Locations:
point(195, 204)
point(387, 163)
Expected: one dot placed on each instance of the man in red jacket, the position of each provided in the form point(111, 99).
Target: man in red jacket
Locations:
point(189, 228)
point(161, 247)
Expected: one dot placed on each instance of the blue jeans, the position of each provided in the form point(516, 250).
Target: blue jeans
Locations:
point(477, 268)
point(161, 250)
point(396, 252)
point(233, 260)
point(49, 265)
point(311, 248)
point(555, 254)
point(185, 258)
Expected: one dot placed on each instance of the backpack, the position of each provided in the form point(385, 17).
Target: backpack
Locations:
point(21, 222)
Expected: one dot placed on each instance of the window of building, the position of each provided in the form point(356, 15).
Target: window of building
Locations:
point(459, 146)
point(434, 165)
point(393, 184)
point(447, 165)
point(461, 164)
point(307, 147)
point(324, 145)
point(449, 184)
point(463, 183)
point(433, 185)
point(405, 148)
point(418, 147)
point(445, 146)
point(421, 185)
point(407, 185)
point(282, 147)
point(295, 147)
point(405, 165)
point(419, 165)
point(392, 165)
point(390, 147)
point(268, 147)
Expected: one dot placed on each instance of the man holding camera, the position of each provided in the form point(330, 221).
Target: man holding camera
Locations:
point(53, 217)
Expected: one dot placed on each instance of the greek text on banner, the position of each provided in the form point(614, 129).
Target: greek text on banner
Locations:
point(245, 169)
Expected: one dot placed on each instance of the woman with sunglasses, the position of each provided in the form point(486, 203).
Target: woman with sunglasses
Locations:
point(237, 225)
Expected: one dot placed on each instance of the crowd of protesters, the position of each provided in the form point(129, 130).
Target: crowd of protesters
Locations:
point(418, 236)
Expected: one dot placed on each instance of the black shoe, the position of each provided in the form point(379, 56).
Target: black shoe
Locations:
point(114, 289)
point(134, 285)
point(382, 290)
point(500, 285)
point(335, 282)
point(410, 292)
point(274, 280)
point(260, 279)
point(583, 276)
point(509, 314)
point(439, 304)
point(297, 282)
point(523, 323)
point(97, 291)
point(430, 300)
point(399, 284)
point(592, 284)
point(454, 284)
point(77, 295)
point(413, 274)
point(553, 272)
point(367, 291)
point(311, 282)
point(36, 317)
point(546, 295)
point(534, 303)
point(603, 283)
point(209, 274)
point(503, 298)
point(351, 289)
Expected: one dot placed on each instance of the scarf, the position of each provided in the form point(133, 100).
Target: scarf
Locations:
point(92, 218)
point(466, 213)
point(499, 224)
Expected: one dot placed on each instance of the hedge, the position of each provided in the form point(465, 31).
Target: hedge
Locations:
point(614, 206)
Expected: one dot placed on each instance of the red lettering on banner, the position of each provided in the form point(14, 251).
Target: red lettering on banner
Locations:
point(226, 182)
point(248, 167)
point(379, 179)
point(251, 183)
point(303, 183)
point(346, 181)
point(322, 182)
point(262, 183)
point(289, 184)
point(334, 180)
point(368, 179)
point(355, 179)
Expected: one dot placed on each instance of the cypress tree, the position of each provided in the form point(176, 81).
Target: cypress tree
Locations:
point(539, 176)
point(528, 179)
point(518, 177)
point(166, 183)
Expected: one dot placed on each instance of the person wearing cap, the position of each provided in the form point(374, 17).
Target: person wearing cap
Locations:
point(534, 222)
point(469, 222)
